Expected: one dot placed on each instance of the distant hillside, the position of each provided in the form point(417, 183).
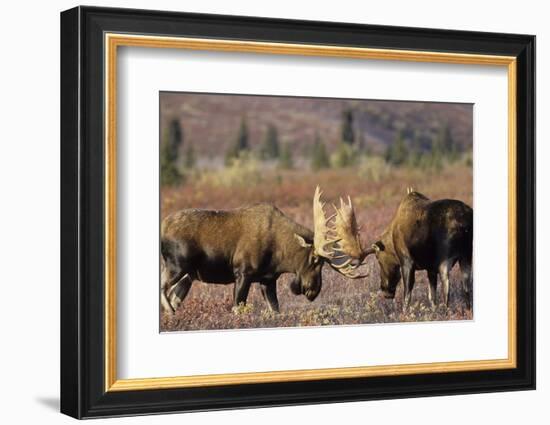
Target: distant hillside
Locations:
point(210, 122)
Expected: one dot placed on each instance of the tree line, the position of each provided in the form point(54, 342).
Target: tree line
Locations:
point(414, 150)
point(170, 148)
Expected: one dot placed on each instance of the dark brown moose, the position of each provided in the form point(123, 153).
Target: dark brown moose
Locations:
point(423, 235)
point(245, 245)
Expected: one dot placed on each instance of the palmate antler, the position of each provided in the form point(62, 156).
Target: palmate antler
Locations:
point(346, 228)
point(321, 239)
point(349, 241)
point(343, 238)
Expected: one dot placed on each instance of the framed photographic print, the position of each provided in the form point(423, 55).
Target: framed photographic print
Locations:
point(261, 212)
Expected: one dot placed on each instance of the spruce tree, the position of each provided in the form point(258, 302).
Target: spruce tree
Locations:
point(397, 153)
point(285, 159)
point(437, 155)
point(451, 147)
point(319, 155)
point(270, 146)
point(190, 159)
point(348, 132)
point(240, 144)
point(415, 156)
point(361, 144)
point(169, 154)
point(175, 138)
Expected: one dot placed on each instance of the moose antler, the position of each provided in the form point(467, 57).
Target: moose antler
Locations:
point(347, 230)
point(321, 239)
point(348, 244)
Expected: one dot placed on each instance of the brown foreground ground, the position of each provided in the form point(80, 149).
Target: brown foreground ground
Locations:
point(342, 301)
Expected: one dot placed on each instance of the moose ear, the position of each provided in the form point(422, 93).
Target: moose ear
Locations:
point(302, 241)
point(375, 248)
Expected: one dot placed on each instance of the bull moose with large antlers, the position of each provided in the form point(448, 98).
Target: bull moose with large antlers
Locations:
point(246, 245)
point(423, 235)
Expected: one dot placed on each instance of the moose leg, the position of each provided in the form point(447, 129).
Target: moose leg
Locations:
point(240, 291)
point(407, 272)
point(165, 303)
point(444, 275)
point(432, 287)
point(467, 284)
point(168, 280)
point(179, 291)
point(269, 292)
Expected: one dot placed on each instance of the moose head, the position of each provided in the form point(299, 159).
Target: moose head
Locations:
point(336, 242)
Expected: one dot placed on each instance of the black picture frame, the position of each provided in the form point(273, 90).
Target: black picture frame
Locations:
point(83, 392)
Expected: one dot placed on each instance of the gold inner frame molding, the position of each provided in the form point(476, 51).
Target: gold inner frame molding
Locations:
point(113, 41)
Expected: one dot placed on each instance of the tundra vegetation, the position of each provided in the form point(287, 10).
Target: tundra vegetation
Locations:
point(226, 152)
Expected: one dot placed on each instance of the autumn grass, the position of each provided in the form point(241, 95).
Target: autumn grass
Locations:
point(341, 301)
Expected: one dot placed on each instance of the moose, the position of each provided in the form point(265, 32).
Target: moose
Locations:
point(257, 243)
point(423, 235)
